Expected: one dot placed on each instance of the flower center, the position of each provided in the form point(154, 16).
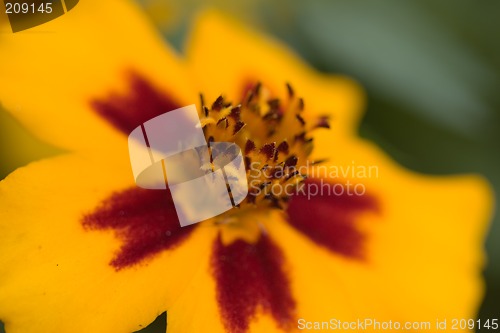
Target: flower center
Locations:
point(274, 137)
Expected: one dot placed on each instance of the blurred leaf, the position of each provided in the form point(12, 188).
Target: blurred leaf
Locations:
point(159, 325)
point(18, 147)
point(401, 51)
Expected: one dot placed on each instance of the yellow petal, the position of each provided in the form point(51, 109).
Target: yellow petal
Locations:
point(424, 251)
point(197, 309)
point(55, 276)
point(51, 73)
point(224, 57)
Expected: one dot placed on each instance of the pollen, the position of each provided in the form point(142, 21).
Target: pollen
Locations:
point(274, 137)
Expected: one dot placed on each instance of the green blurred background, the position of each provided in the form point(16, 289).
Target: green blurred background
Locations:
point(431, 70)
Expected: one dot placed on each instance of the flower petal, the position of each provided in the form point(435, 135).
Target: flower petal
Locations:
point(225, 57)
point(325, 284)
point(56, 276)
point(420, 264)
point(67, 63)
point(423, 249)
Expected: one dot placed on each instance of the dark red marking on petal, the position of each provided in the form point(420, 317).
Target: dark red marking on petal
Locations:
point(330, 219)
point(144, 220)
point(248, 276)
point(141, 103)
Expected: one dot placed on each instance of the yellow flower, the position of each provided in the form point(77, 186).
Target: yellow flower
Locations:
point(84, 250)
